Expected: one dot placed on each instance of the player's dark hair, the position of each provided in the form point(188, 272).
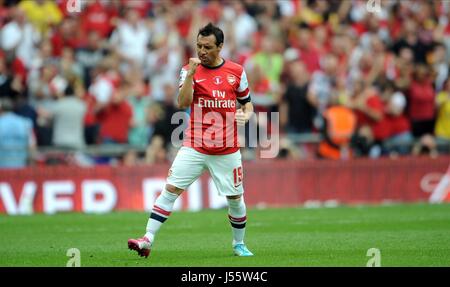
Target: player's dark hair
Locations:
point(210, 29)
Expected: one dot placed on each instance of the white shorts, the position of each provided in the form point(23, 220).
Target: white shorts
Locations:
point(225, 170)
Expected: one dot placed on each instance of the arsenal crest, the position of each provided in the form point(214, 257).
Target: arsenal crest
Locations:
point(231, 79)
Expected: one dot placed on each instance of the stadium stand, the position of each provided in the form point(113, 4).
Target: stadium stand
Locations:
point(119, 62)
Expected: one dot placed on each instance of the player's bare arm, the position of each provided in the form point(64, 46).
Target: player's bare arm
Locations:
point(244, 114)
point(186, 93)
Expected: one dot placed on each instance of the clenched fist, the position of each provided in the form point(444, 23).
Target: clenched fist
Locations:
point(193, 64)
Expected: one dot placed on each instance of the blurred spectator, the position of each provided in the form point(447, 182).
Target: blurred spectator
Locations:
point(291, 56)
point(131, 38)
point(321, 42)
point(410, 38)
point(68, 116)
point(156, 117)
point(296, 111)
point(43, 57)
point(164, 127)
point(384, 61)
point(308, 53)
point(442, 127)
point(163, 23)
point(115, 119)
point(43, 14)
point(156, 152)
point(160, 120)
point(269, 61)
point(23, 108)
point(369, 110)
point(99, 17)
point(106, 79)
point(440, 66)
point(342, 92)
point(368, 69)
point(43, 91)
point(16, 137)
point(68, 64)
point(91, 121)
point(321, 87)
point(243, 24)
point(403, 69)
point(421, 99)
point(339, 128)
point(19, 36)
point(264, 93)
point(400, 137)
point(163, 62)
point(90, 55)
point(186, 15)
point(65, 35)
point(139, 102)
point(10, 86)
point(4, 13)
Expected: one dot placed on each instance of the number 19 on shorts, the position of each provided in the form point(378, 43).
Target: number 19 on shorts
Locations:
point(238, 176)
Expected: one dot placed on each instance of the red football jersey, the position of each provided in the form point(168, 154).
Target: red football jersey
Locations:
point(212, 128)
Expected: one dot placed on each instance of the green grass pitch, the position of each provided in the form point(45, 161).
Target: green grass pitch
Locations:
point(406, 235)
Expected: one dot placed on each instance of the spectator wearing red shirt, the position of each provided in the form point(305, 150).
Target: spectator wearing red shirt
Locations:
point(212, 11)
point(371, 124)
point(19, 71)
point(369, 109)
point(186, 17)
point(308, 54)
point(99, 17)
point(115, 119)
point(65, 35)
point(421, 110)
point(325, 42)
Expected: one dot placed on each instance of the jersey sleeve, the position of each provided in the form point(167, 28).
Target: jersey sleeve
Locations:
point(243, 91)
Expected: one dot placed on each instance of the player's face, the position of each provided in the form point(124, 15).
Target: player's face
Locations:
point(207, 50)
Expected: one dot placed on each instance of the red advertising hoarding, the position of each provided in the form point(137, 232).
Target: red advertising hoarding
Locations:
point(267, 183)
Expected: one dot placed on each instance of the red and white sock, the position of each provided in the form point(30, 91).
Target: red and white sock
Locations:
point(161, 211)
point(238, 218)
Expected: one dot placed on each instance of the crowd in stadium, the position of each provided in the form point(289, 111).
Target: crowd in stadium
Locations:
point(109, 73)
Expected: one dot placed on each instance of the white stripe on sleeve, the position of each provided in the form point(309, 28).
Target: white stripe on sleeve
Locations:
point(244, 82)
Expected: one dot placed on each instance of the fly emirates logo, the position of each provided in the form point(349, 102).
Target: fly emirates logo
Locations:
point(217, 102)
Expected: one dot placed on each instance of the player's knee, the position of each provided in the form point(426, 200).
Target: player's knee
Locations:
point(173, 189)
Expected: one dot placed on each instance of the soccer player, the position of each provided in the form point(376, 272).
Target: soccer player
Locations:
point(210, 86)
